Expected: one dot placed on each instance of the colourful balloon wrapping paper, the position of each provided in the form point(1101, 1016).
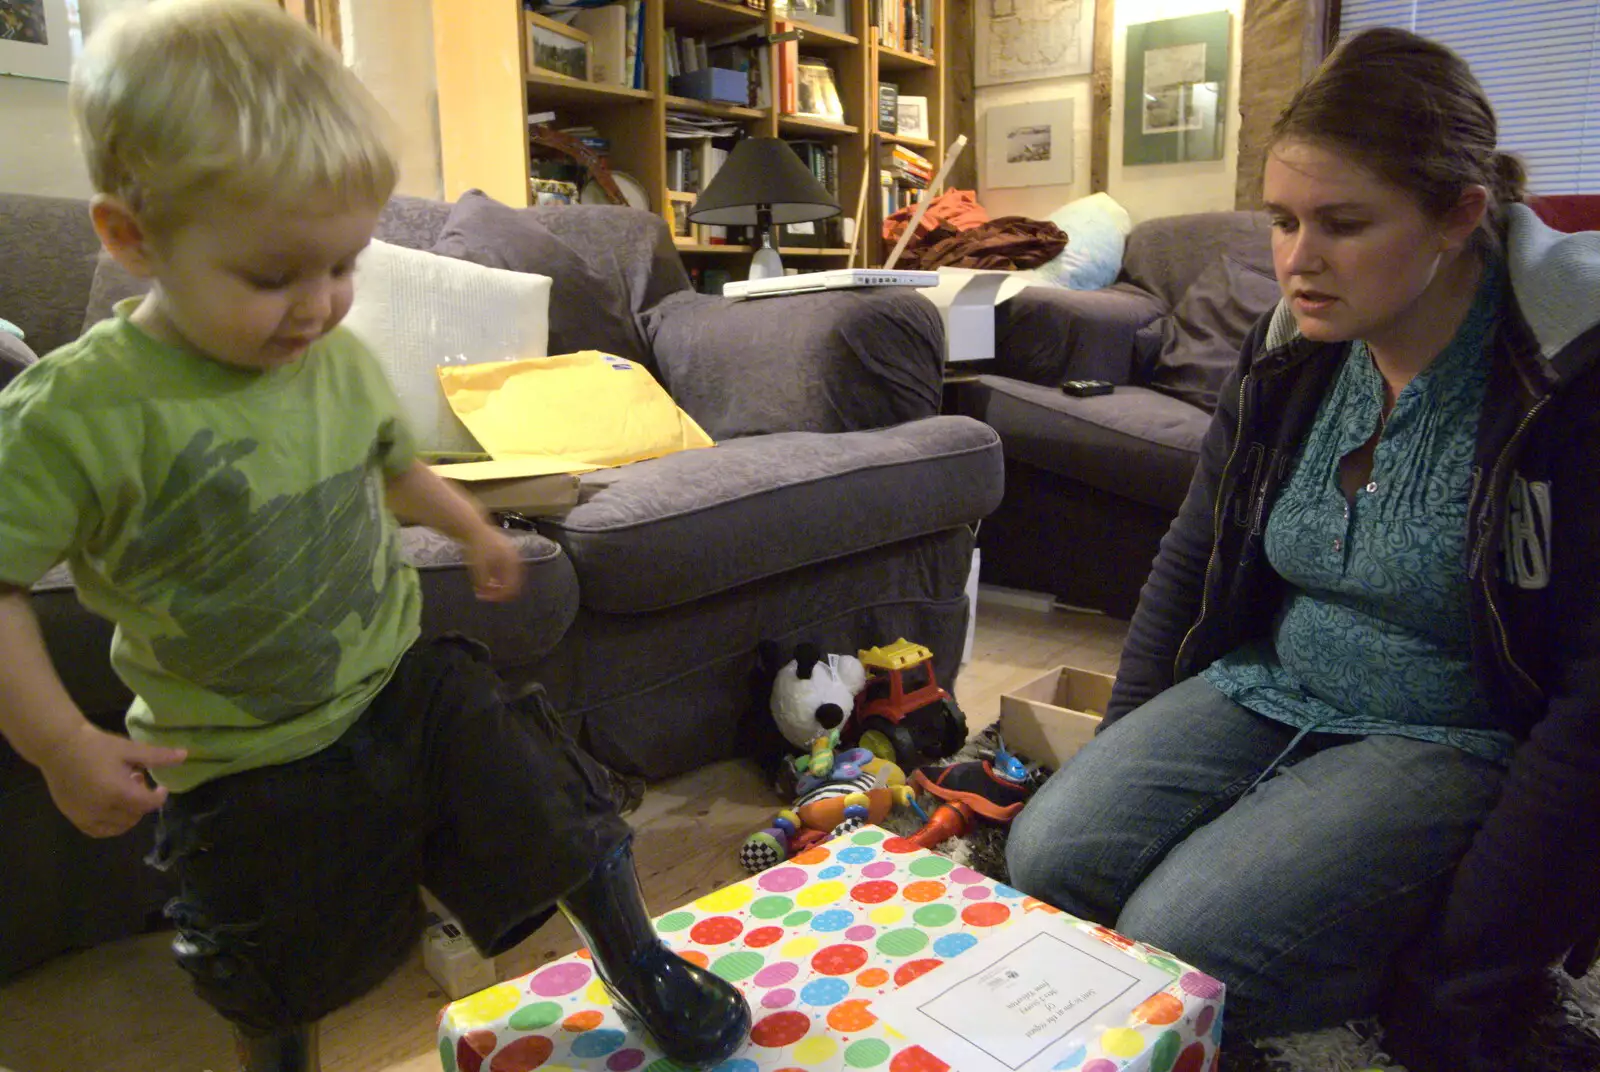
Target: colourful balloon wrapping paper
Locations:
point(811, 942)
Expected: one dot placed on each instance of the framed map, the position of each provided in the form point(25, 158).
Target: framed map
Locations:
point(1177, 87)
point(1021, 40)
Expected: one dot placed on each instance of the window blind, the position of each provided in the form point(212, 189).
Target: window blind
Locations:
point(1539, 62)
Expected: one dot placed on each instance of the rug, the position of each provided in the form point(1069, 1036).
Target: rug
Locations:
point(1563, 1033)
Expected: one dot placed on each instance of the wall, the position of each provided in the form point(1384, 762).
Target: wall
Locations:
point(1036, 201)
point(1152, 190)
point(51, 163)
point(47, 161)
point(1146, 191)
point(389, 43)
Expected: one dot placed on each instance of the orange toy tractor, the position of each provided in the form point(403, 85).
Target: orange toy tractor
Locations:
point(903, 715)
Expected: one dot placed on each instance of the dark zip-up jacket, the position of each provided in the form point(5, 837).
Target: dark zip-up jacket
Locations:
point(1528, 891)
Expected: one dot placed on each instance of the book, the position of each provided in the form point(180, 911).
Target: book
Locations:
point(608, 29)
point(788, 60)
point(550, 493)
point(888, 107)
point(635, 57)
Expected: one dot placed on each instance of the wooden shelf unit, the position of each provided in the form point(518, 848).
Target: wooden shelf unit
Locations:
point(487, 91)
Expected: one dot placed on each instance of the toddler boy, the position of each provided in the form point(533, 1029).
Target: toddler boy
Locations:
point(220, 464)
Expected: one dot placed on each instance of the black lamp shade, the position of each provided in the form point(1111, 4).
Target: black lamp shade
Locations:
point(763, 173)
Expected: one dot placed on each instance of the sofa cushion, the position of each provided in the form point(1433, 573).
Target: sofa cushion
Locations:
point(706, 521)
point(412, 222)
point(1097, 232)
point(49, 246)
point(417, 311)
point(832, 361)
point(602, 264)
point(1200, 341)
point(1135, 442)
point(1046, 335)
point(1166, 255)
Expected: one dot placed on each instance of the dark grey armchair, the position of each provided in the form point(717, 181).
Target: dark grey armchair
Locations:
point(838, 508)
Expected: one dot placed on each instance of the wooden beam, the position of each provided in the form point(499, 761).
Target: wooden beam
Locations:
point(321, 15)
point(1100, 106)
point(960, 93)
point(1281, 44)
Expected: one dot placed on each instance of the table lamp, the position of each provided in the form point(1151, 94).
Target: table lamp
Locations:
point(763, 184)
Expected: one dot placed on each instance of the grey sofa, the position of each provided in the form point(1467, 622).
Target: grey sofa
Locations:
point(1093, 483)
point(837, 508)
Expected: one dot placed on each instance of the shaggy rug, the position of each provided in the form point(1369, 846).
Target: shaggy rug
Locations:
point(1563, 1020)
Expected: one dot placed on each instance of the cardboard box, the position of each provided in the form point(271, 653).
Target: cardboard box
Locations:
point(449, 957)
point(815, 942)
point(966, 299)
point(1051, 717)
point(713, 84)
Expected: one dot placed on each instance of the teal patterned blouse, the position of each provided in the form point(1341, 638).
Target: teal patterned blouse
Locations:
point(1373, 636)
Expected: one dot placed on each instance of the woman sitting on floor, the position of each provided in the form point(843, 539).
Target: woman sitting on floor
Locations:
point(1352, 762)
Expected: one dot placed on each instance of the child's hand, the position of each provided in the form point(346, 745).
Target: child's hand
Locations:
point(495, 565)
point(97, 779)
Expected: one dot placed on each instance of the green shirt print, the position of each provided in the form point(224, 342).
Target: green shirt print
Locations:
point(231, 523)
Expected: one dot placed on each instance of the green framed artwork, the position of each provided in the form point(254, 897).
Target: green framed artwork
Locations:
point(1177, 86)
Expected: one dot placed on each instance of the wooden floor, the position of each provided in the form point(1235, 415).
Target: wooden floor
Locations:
point(126, 1006)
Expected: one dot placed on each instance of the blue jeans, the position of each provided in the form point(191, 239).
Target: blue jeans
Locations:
point(1294, 890)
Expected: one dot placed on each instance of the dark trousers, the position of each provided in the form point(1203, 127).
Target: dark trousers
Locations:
point(299, 883)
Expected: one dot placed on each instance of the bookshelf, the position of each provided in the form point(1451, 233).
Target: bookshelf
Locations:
point(488, 90)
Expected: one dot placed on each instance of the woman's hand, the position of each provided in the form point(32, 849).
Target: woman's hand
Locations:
point(495, 564)
point(97, 780)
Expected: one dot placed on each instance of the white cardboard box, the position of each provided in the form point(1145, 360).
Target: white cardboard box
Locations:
point(966, 300)
point(1051, 717)
point(449, 956)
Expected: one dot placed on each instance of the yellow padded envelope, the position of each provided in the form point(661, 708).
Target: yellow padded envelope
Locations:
point(571, 413)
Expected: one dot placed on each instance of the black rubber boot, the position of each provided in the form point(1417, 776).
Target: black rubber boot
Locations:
point(286, 1051)
point(697, 1018)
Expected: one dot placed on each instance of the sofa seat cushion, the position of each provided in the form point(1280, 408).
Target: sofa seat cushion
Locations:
point(1135, 443)
point(525, 628)
point(668, 531)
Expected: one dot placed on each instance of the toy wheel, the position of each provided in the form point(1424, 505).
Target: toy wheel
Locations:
point(879, 745)
point(903, 747)
point(953, 729)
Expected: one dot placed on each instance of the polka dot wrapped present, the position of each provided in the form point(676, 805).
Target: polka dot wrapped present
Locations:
point(812, 942)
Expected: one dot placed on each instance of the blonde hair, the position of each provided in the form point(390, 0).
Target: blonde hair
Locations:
point(185, 98)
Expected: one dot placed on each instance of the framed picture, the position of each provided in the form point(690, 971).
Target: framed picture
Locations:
point(826, 14)
point(556, 48)
point(1177, 84)
point(36, 39)
point(818, 92)
point(913, 113)
point(1020, 41)
point(1029, 144)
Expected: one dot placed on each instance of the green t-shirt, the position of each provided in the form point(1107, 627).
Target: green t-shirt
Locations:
point(230, 522)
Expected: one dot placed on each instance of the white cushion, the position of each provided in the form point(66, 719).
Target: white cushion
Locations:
point(417, 311)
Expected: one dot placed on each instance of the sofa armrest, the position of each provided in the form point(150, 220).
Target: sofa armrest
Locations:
point(836, 361)
point(1046, 335)
point(79, 641)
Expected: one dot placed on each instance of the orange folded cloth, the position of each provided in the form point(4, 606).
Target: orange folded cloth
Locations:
point(958, 208)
